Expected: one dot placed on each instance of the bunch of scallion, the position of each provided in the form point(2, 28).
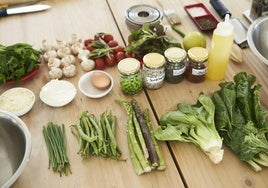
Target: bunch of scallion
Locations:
point(56, 143)
point(143, 147)
point(96, 135)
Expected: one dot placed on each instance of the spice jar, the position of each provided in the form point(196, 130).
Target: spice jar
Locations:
point(153, 70)
point(130, 76)
point(175, 64)
point(196, 67)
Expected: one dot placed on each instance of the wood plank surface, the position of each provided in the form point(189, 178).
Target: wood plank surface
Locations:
point(84, 18)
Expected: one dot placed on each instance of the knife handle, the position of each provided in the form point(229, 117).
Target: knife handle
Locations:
point(220, 8)
point(3, 12)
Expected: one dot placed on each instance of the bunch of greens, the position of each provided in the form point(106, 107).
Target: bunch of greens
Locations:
point(16, 61)
point(96, 135)
point(195, 124)
point(56, 143)
point(240, 119)
point(149, 38)
point(143, 147)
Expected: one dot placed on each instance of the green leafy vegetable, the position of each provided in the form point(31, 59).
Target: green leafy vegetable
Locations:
point(149, 38)
point(17, 61)
point(241, 121)
point(195, 124)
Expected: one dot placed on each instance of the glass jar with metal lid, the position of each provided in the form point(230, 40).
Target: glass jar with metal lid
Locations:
point(196, 67)
point(153, 70)
point(130, 76)
point(175, 64)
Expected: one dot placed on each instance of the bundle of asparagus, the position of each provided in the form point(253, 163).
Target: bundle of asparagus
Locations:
point(144, 150)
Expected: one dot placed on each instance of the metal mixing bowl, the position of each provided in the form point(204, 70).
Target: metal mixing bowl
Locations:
point(257, 37)
point(15, 148)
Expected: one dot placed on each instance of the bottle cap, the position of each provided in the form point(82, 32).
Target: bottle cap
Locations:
point(225, 28)
point(175, 54)
point(198, 54)
point(153, 60)
point(128, 66)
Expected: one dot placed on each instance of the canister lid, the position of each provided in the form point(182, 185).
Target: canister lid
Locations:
point(175, 54)
point(198, 54)
point(128, 66)
point(153, 60)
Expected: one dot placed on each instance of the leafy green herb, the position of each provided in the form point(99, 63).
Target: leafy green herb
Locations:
point(149, 38)
point(17, 61)
point(241, 121)
point(195, 124)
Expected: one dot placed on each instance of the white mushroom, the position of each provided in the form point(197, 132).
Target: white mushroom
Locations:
point(88, 64)
point(74, 39)
point(76, 47)
point(83, 54)
point(53, 62)
point(69, 71)
point(68, 60)
point(45, 46)
point(55, 73)
point(60, 44)
point(50, 54)
point(64, 51)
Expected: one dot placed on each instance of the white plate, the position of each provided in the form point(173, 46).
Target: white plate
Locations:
point(17, 100)
point(57, 93)
point(89, 90)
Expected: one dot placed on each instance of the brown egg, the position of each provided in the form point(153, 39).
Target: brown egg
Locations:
point(100, 80)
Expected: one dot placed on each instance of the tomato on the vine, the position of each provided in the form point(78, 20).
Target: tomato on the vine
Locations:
point(112, 43)
point(90, 48)
point(100, 63)
point(108, 37)
point(87, 42)
point(119, 56)
point(110, 60)
point(118, 49)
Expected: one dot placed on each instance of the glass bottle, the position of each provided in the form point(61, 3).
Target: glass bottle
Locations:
point(153, 70)
point(130, 76)
point(196, 67)
point(175, 64)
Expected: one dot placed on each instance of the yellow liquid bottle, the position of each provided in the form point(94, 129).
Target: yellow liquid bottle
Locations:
point(219, 55)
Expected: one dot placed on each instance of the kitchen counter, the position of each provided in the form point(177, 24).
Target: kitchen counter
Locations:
point(187, 165)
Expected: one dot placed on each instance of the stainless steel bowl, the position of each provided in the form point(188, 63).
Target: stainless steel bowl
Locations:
point(257, 38)
point(15, 148)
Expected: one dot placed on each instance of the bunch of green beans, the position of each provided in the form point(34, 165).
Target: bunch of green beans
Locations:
point(56, 143)
point(96, 135)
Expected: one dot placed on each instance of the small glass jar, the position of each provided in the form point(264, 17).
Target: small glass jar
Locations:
point(153, 70)
point(130, 76)
point(196, 67)
point(175, 64)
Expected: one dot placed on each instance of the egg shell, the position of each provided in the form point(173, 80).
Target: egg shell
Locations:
point(100, 80)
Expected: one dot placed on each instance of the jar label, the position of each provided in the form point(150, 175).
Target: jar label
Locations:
point(199, 72)
point(179, 71)
point(154, 80)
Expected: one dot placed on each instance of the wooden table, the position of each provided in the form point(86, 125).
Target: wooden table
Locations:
point(187, 165)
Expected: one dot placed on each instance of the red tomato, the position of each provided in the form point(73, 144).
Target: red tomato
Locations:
point(108, 37)
point(99, 63)
point(118, 49)
point(128, 54)
point(119, 56)
point(87, 42)
point(110, 60)
point(112, 43)
point(90, 48)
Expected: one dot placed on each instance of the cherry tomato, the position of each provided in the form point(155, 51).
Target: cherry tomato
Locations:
point(128, 54)
point(118, 49)
point(110, 60)
point(87, 42)
point(90, 48)
point(99, 63)
point(112, 43)
point(119, 56)
point(108, 37)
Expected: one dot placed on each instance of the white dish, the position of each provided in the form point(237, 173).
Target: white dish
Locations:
point(17, 100)
point(85, 86)
point(57, 93)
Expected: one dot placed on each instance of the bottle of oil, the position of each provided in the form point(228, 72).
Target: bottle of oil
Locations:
point(221, 45)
